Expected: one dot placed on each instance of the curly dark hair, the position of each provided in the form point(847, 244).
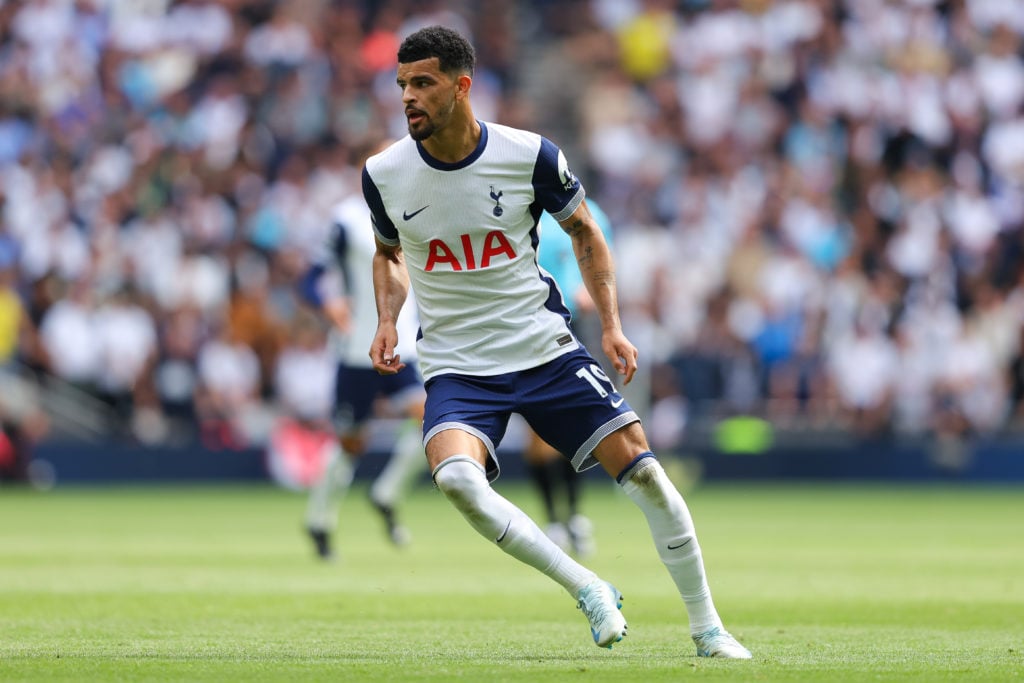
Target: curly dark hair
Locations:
point(453, 52)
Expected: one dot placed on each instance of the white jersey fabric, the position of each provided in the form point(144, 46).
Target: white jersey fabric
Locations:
point(350, 249)
point(469, 234)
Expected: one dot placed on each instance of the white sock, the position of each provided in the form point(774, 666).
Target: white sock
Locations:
point(675, 538)
point(406, 460)
point(327, 492)
point(464, 484)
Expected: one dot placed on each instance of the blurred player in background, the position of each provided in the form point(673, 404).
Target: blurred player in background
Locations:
point(362, 394)
point(551, 473)
point(455, 209)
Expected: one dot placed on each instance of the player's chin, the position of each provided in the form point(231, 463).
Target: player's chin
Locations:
point(420, 131)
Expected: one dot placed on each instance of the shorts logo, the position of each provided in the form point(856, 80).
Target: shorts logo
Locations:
point(616, 404)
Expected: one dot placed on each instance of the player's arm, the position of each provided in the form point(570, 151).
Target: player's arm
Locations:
point(597, 269)
point(326, 293)
point(333, 304)
point(390, 280)
point(390, 288)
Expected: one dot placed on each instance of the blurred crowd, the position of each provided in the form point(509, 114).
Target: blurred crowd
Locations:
point(818, 204)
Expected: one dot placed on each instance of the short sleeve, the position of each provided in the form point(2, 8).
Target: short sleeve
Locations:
point(383, 227)
point(557, 190)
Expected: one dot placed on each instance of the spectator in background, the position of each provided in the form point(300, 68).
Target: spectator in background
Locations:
point(252, 318)
point(302, 443)
point(228, 389)
point(127, 357)
point(70, 340)
point(22, 422)
point(181, 334)
point(14, 321)
point(863, 368)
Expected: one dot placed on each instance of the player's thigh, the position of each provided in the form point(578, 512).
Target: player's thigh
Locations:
point(466, 415)
point(573, 406)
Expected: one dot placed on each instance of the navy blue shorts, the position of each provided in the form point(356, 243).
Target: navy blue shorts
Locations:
point(570, 402)
point(358, 388)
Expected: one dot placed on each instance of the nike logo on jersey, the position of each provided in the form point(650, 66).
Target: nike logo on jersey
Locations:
point(408, 216)
point(616, 404)
point(677, 547)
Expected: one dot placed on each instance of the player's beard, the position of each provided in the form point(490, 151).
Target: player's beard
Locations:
point(430, 124)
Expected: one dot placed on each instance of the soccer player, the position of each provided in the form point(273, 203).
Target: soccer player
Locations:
point(359, 388)
point(455, 206)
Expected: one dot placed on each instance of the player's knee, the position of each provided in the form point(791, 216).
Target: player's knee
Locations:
point(461, 480)
point(650, 479)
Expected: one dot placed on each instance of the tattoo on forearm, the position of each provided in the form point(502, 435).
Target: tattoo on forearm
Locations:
point(574, 229)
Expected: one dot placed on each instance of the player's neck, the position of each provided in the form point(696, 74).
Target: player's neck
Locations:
point(458, 139)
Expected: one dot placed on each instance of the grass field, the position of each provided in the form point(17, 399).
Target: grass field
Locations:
point(218, 584)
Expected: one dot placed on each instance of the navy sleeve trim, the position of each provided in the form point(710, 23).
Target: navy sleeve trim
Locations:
point(555, 188)
point(382, 226)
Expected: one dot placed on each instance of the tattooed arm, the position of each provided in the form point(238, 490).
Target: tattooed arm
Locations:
point(598, 271)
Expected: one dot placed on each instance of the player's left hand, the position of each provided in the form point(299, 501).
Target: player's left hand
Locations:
point(621, 353)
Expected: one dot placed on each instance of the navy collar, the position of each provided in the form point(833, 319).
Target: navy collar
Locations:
point(462, 163)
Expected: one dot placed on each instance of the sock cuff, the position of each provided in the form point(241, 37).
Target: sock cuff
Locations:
point(454, 459)
point(628, 470)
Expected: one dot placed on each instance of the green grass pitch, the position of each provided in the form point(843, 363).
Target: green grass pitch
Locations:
point(822, 583)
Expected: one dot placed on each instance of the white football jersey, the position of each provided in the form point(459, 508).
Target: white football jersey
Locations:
point(351, 248)
point(469, 234)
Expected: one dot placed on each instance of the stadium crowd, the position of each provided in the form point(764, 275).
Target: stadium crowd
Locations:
point(818, 204)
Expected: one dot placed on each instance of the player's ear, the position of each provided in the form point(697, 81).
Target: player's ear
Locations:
point(462, 85)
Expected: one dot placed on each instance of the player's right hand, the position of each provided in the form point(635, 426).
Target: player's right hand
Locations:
point(382, 351)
